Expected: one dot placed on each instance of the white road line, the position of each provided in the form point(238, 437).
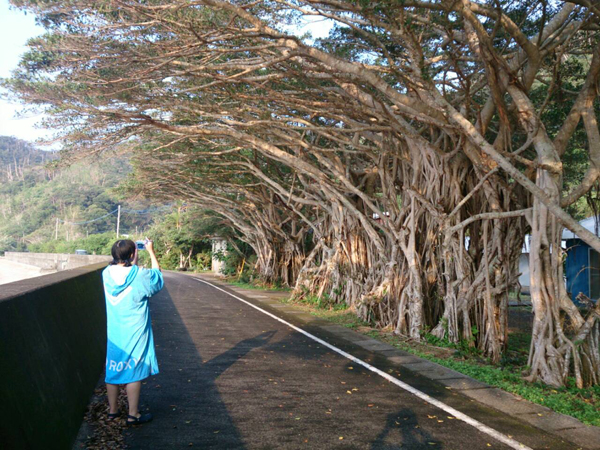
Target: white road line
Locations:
point(423, 396)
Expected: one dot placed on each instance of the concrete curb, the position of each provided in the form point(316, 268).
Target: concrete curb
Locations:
point(541, 417)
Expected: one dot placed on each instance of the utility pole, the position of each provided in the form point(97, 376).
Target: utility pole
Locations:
point(118, 219)
point(56, 231)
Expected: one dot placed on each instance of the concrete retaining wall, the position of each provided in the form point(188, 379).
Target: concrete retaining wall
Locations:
point(52, 353)
point(55, 261)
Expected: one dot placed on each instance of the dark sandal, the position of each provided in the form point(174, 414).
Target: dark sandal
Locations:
point(144, 418)
point(113, 416)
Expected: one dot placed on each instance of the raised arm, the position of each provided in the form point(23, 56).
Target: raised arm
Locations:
point(150, 248)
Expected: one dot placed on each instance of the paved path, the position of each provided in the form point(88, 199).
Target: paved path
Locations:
point(232, 377)
point(13, 271)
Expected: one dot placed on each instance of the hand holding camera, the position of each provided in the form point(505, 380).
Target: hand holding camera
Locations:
point(149, 245)
point(146, 244)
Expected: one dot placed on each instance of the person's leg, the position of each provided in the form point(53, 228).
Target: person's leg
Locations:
point(133, 397)
point(113, 397)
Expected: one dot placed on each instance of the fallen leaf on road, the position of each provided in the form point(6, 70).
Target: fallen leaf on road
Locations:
point(341, 438)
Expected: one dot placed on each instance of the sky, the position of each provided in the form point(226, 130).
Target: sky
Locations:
point(16, 28)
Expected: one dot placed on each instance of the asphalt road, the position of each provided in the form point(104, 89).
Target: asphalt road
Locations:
point(232, 377)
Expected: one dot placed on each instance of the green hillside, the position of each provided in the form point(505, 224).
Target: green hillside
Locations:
point(34, 193)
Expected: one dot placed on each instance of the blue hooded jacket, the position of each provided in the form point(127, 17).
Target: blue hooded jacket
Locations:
point(130, 354)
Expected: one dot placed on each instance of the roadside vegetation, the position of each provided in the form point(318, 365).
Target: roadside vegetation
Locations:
point(96, 244)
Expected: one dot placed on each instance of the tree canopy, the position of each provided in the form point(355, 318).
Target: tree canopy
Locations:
point(396, 165)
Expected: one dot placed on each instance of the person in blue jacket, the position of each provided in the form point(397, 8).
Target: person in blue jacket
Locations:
point(130, 355)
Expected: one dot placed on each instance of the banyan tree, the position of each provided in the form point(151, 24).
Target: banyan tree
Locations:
point(396, 165)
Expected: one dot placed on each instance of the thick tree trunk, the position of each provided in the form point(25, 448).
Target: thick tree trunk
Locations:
point(546, 363)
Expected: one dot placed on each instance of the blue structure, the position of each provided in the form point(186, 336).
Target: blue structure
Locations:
point(582, 266)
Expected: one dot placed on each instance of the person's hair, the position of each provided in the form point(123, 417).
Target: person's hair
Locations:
point(122, 252)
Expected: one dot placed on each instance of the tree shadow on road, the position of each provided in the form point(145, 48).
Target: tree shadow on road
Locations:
point(184, 398)
point(221, 363)
point(403, 428)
